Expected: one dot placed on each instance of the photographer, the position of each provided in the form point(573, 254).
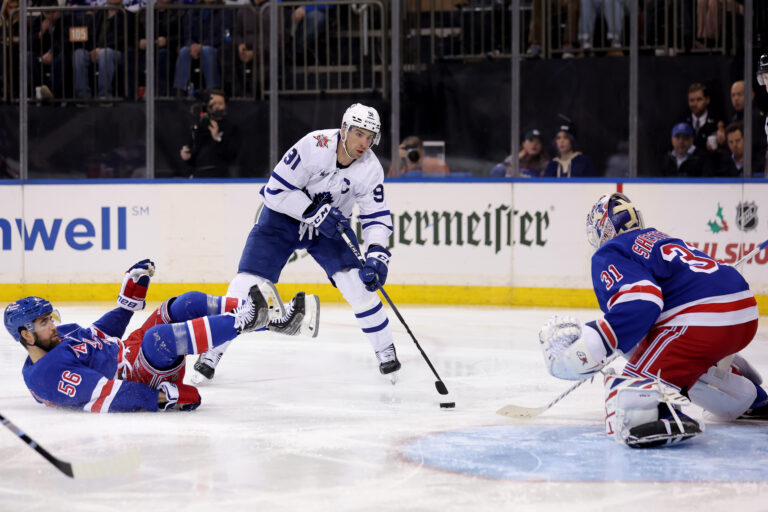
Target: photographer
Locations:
point(413, 164)
point(215, 141)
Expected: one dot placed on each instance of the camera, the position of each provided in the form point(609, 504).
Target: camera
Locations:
point(412, 153)
point(205, 117)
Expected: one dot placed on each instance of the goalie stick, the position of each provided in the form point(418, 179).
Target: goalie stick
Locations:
point(517, 411)
point(98, 468)
point(439, 384)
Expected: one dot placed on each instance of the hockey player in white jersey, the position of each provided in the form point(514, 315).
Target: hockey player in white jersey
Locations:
point(678, 316)
point(309, 197)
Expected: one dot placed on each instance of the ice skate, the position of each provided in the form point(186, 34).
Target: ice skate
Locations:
point(205, 367)
point(254, 312)
point(302, 317)
point(388, 363)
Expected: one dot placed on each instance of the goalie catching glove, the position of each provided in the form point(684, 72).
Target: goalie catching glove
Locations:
point(375, 267)
point(572, 350)
point(133, 292)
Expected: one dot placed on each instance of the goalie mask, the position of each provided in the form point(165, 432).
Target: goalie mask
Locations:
point(611, 216)
point(363, 117)
point(23, 313)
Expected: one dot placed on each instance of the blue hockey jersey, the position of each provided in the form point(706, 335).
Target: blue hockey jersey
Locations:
point(646, 279)
point(83, 371)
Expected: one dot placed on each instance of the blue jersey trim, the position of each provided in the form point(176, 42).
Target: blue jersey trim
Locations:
point(374, 215)
point(370, 312)
point(281, 180)
point(379, 223)
point(377, 328)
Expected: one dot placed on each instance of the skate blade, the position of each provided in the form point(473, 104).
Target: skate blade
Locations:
point(198, 379)
point(310, 324)
point(393, 377)
point(275, 306)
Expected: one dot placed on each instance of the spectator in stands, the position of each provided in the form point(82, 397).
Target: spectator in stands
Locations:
point(613, 13)
point(685, 159)
point(167, 37)
point(204, 32)
point(532, 159)
point(658, 31)
point(759, 146)
point(705, 124)
point(566, 14)
point(413, 164)
point(215, 141)
point(249, 45)
point(568, 163)
point(10, 17)
point(732, 165)
point(308, 26)
point(107, 42)
point(45, 52)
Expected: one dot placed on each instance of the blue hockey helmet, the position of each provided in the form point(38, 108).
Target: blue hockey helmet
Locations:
point(611, 216)
point(24, 312)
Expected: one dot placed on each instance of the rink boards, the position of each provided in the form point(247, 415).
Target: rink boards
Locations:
point(463, 242)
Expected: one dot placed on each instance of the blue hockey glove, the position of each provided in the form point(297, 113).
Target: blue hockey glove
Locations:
point(375, 268)
point(133, 292)
point(325, 218)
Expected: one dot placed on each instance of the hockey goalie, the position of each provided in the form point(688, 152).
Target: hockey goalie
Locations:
point(678, 316)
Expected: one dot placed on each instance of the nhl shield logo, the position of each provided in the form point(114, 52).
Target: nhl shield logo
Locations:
point(746, 216)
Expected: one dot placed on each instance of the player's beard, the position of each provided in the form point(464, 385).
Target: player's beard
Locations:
point(50, 343)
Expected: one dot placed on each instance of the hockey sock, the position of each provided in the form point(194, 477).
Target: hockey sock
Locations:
point(375, 324)
point(190, 305)
point(163, 344)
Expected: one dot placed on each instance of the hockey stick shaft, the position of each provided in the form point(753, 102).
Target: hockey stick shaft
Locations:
point(751, 254)
point(64, 467)
point(516, 411)
point(439, 385)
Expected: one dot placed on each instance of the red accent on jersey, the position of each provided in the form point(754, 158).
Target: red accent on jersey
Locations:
point(607, 332)
point(651, 290)
point(105, 391)
point(80, 347)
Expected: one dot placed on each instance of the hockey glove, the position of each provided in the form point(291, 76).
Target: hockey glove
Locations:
point(179, 396)
point(572, 350)
point(375, 268)
point(135, 284)
point(326, 219)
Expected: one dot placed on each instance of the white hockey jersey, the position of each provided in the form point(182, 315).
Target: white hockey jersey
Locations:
point(309, 171)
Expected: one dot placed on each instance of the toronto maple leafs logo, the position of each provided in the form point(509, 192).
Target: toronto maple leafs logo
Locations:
point(322, 141)
point(322, 197)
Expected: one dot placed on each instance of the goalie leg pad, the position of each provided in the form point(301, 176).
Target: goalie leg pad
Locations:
point(724, 394)
point(638, 415)
point(743, 367)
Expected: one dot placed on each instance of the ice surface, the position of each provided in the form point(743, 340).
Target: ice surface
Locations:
point(294, 424)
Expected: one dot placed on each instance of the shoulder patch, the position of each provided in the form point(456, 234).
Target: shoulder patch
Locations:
point(322, 140)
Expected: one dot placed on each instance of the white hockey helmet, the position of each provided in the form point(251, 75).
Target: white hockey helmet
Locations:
point(363, 117)
point(611, 216)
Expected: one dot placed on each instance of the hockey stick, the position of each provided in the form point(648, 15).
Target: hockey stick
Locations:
point(118, 464)
point(517, 411)
point(439, 384)
point(751, 254)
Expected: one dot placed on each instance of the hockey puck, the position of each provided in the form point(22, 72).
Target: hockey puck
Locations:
point(447, 405)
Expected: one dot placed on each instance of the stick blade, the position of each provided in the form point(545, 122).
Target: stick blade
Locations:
point(440, 386)
point(115, 465)
point(518, 412)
